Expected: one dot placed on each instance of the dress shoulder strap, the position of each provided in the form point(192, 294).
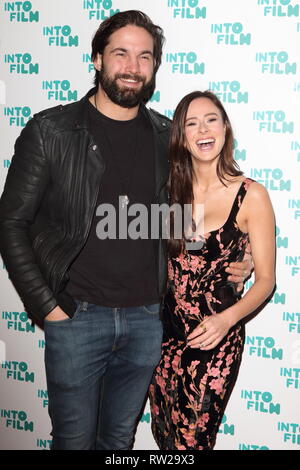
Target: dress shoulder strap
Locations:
point(239, 198)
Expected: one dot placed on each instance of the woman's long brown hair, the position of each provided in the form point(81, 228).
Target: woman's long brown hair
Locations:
point(180, 183)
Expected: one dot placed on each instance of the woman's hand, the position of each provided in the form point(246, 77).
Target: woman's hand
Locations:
point(208, 334)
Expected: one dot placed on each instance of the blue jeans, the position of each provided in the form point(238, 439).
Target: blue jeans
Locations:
point(98, 368)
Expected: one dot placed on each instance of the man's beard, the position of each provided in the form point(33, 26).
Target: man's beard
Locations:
point(126, 97)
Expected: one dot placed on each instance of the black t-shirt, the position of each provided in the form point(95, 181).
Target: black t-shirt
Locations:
point(119, 272)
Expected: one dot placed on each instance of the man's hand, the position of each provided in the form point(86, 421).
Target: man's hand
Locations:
point(240, 271)
point(57, 314)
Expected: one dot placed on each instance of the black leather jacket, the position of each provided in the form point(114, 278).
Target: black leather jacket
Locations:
point(49, 198)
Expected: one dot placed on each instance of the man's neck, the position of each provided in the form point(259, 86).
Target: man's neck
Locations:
point(112, 110)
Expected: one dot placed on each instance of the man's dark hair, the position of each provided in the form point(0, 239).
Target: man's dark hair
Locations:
point(119, 20)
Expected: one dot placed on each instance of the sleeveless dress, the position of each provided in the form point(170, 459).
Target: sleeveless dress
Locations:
point(190, 388)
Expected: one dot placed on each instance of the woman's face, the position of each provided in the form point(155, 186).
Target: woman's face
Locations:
point(204, 130)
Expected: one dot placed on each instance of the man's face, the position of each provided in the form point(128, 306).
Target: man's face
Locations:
point(126, 66)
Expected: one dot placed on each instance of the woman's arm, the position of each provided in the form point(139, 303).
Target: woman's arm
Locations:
point(260, 222)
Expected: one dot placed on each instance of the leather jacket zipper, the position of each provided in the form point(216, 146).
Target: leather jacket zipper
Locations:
point(66, 265)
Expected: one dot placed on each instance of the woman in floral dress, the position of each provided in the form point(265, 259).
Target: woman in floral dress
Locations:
point(203, 313)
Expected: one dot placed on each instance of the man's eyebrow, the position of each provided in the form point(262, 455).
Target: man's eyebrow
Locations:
point(146, 52)
point(122, 49)
point(118, 49)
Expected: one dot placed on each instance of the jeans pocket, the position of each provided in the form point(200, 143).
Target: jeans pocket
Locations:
point(152, 309)
point(68, 319)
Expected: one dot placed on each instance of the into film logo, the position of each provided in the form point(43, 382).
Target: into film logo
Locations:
point(273, 121)
point(280, 8)
point(229, 92)
point(294, 205)
point(99, 9)
point(59, 90)
point(276, 63)
point(293, 321)
point(244, 446)
point(291, 377)
point(185, 63)
point(17, 420)
point(21, 63)
point(18, 371)
point(231, 34)
point(271, 178)
point(260, 401)
point(18, 321)
point(295, 147)
point(60, 36)
point(290, 432)
point(21, 12)
point(187, 9)
point(17, 115)
point(281, 241)
point(259, 346)
point(225, 428)
point(239, 154)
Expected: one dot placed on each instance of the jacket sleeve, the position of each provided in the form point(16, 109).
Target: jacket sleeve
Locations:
point(26, 182)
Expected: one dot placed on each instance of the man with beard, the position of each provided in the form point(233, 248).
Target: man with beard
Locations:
point(99, 297)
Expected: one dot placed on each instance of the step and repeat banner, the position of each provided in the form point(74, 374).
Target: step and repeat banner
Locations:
point(247, 52)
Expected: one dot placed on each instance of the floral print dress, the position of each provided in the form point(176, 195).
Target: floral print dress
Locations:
point(190, 388)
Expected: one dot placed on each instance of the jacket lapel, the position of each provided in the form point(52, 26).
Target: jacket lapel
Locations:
point(161, 133)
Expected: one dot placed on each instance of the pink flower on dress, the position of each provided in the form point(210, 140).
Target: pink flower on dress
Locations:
point(194, 311)
point(183, 261)
point(202, 420)
point(175, 417)
point(220, 355)
point(170, 271)
point(214, 265)
point(189, 436)
point(247, 183)
point(217, 385)
point(215, 372)
point(226, 371)
point(175, 362)
point(219, 363)
point(196, 262)
point(161, 383)
point(229, 359)
point(181, 288)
